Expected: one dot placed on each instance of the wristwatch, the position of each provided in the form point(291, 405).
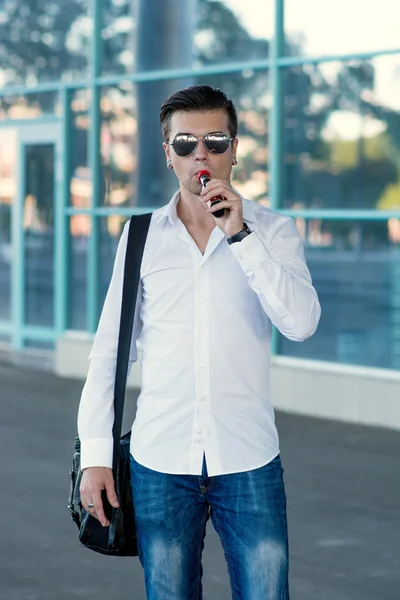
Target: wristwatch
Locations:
point(240, 235)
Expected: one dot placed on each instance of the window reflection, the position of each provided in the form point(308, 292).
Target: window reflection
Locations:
point(81, 187)
point(77, 274)
point(38, 223)
point(133, 161)
point(110, 232)
point(43, 41)
point(231, 30)
point(341, 135)
point(81, 191)
point(140, 36)
point(316, 28)
point(119, 145)
point(29, 106)
point(183, 34)
point(355, 266)
point(8, 194)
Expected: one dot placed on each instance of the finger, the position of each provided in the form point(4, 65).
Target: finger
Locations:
point(111, 495)
point(85, 496)
point(91, 510)
point(220, 205)
point(94, 514)
point(85, 501)
point(214, 182)
point(226, 195)
point(211, 185)
point(99, 510)
point(87, 505)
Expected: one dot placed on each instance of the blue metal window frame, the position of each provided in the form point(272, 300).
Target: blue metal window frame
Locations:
point(274, 63)
point(18, 330)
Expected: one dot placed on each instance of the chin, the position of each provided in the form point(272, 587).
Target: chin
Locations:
point(194, 187)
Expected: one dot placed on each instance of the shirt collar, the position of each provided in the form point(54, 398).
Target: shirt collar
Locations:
point(169, 210)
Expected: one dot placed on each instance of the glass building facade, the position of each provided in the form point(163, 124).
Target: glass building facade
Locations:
point(317, 88)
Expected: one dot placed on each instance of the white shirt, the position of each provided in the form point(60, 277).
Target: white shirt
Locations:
point(204, 324)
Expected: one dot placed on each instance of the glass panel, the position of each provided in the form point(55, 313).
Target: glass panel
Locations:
point(38, 223)
point(30, 106)
point(133, 159)
point(232, 30)
point(8, 191)
point(119, 144)
point(42, 41)
point(81, 181)
point(77, 283)
point(316, 28)
point(183, 34)
point(38, 345)
point(110, 232)
point(355, 268)
point(341, 135)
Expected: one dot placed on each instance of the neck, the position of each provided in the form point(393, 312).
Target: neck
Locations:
point(191, 212)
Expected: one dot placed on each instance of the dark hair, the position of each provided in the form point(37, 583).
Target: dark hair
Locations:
point(201, 98)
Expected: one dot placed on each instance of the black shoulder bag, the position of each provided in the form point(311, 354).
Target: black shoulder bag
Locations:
point(119, 539)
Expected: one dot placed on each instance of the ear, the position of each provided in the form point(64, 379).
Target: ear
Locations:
point(167, 150)
point(234, 146)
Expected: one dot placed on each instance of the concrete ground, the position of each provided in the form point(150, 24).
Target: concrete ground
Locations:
point(343, 487)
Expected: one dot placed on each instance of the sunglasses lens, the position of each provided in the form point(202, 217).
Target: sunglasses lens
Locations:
point(216, 144)
point(184, 145)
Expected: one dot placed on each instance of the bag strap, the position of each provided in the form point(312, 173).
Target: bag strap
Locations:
point(138, 228)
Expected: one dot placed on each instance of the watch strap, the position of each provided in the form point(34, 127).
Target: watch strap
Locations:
point(240, 235)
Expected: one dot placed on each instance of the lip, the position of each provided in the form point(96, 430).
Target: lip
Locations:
point(196, 174)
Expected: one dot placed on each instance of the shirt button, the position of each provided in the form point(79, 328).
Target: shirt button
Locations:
point(201, 331)
point(201, 366)
point(202, 398)
point(201, 297)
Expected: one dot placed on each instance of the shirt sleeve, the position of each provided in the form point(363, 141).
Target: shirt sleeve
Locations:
point(277, 272)
point(96, 408)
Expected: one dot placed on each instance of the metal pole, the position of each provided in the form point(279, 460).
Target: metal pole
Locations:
point(276, 125)
point(276, 114)
point(62, 268)
point(95, 169)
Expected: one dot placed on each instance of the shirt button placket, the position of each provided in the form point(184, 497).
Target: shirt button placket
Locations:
point(201, 354)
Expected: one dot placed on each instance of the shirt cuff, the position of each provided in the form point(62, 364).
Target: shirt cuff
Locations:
point(250, 252)
point(96, 453)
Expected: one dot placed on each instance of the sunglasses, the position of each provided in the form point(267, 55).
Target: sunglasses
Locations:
point(215, 143)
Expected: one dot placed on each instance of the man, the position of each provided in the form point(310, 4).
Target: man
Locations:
point(204, 441)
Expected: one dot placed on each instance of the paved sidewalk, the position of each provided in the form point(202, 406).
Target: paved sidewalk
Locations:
point(343, 486)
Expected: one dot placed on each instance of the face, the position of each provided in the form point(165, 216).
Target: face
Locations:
point(200, 124)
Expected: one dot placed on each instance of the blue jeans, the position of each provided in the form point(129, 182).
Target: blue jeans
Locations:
point(248, 511)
